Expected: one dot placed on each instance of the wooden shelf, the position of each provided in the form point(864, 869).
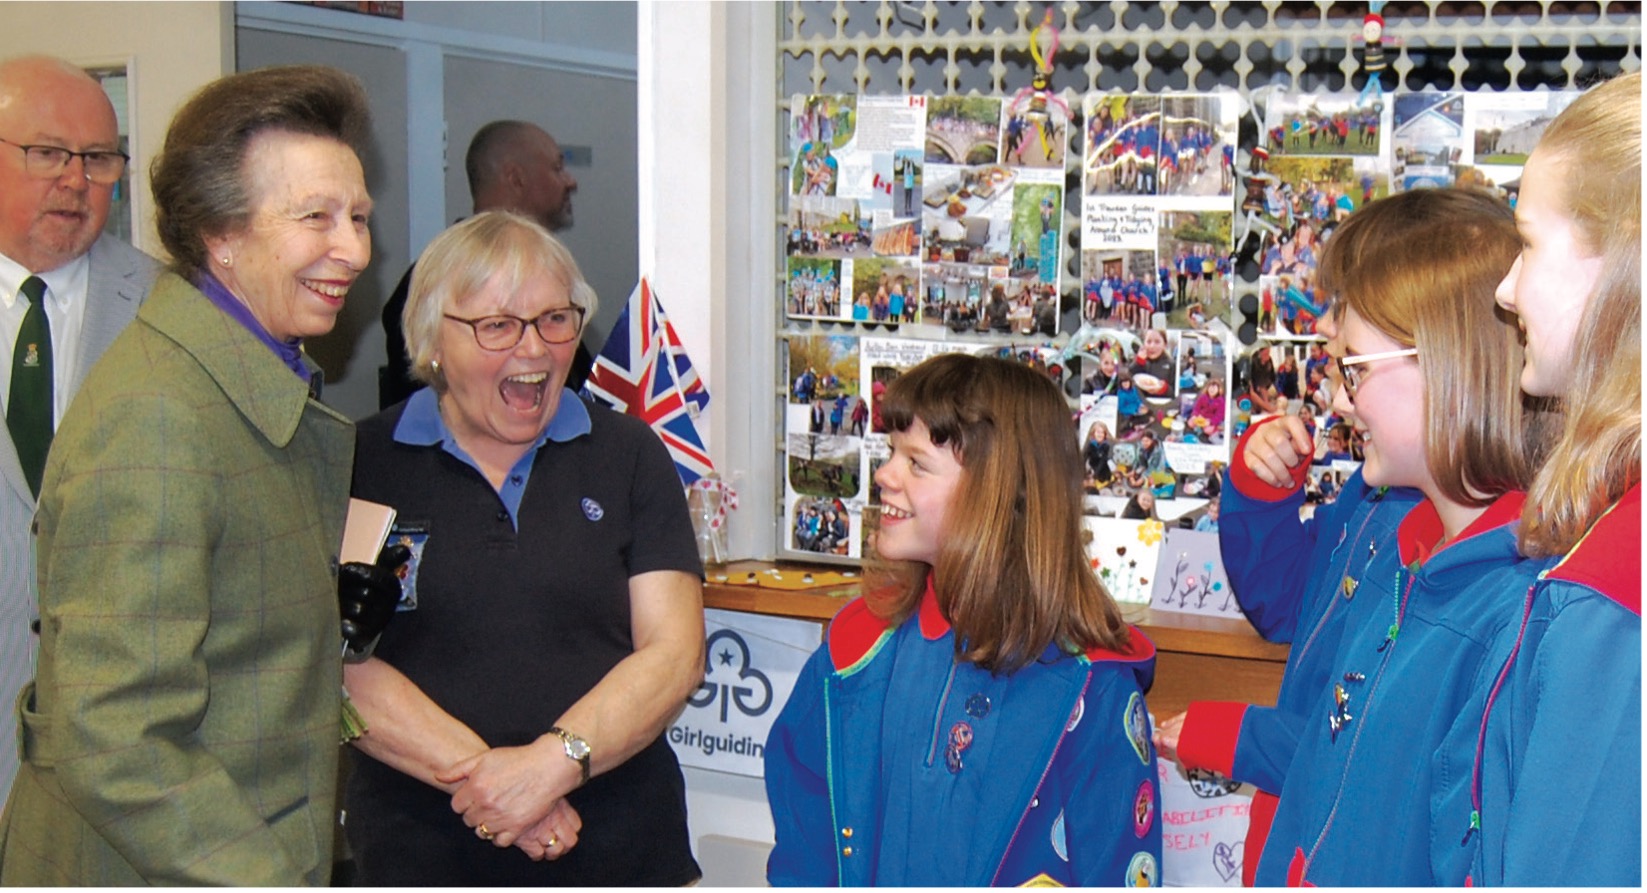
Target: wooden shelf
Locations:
point(1198, 658)
point(806, 604)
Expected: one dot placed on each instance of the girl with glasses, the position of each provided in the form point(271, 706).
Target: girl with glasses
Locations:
point(1560, 769)
point(1391, 630)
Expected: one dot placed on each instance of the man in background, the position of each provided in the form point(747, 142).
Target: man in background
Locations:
point(512, 166)
point(66, 290)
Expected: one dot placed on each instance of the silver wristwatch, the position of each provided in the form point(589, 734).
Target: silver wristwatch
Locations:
point(576, 749)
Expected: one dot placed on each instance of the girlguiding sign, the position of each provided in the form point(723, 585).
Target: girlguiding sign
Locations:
point(750, 666)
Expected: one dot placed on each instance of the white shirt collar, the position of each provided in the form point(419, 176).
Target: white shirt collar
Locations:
point(62, 284)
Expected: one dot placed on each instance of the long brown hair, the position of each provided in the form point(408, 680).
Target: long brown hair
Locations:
point(1596, 144)
point(1421, 267)
point(1012, 574)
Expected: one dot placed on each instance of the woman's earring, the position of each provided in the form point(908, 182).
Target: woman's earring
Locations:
point(227, 261)
point(434, 366)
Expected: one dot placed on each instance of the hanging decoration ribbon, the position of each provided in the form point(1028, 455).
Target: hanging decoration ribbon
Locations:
point(1032, 106)
point(710, 485)
point(1043, 63)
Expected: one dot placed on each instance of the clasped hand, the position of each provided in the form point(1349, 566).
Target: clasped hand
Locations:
point(1274, 450)
point(518, 795)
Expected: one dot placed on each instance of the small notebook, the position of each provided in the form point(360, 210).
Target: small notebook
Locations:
point(365, 531)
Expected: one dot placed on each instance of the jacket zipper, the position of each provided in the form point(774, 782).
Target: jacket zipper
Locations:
point(829, 781)
point(1349, 758)
point(1349, 557)
point(1492, 699)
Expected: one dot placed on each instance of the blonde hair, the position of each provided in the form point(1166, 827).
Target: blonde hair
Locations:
point(1422, 267)
point(463, 259)
point(1012, 574)
point(1596, 145)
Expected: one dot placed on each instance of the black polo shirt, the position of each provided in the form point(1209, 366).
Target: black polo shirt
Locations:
point(515, 623)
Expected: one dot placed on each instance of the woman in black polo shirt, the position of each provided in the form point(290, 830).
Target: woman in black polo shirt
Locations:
point(552, 619)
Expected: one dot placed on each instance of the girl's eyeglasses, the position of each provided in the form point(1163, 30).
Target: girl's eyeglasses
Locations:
point(1349, 366)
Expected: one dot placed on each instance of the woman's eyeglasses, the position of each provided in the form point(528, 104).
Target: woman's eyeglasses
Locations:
point(504, 332)
point(1349, 366)
point(48, 162)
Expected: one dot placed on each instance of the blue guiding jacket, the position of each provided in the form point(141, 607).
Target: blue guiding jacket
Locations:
point(895, 764)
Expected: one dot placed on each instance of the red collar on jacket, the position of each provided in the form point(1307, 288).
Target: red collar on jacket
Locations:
point(1421, 529)
point(1608, 558)
point(933, 623)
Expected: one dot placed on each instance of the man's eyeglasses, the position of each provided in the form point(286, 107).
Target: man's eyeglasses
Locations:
point(504, 332)
point(1349, 366)
point(48, 162)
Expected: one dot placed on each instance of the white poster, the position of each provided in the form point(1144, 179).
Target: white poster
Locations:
point(750, 665)
point(1203, 827)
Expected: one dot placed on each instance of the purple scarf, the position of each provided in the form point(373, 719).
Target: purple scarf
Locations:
point(289, 352)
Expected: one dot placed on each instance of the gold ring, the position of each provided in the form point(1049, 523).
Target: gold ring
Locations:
point(484, 834)
point(553, 841)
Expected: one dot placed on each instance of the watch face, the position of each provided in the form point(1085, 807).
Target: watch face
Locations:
point(576, 747)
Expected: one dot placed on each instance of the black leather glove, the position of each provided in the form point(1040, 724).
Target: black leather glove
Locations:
point(366, 599)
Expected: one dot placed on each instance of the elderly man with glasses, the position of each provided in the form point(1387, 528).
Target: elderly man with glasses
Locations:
point(66, 290)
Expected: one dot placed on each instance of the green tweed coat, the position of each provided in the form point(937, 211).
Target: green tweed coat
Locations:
point(182, 727)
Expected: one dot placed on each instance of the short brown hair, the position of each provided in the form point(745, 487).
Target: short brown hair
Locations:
point(1421, 266)
point(199, 178)
point(1012, 575)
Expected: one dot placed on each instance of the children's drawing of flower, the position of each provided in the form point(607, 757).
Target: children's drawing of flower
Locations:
point(1151, 532)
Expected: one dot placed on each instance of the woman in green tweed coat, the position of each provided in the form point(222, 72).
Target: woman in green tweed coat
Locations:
point(182, 727)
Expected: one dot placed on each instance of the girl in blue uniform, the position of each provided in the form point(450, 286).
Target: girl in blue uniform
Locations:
point(980, 719)
point(1390, 630)
point(1429, 377)
point(1557, 787)
point(1293, 577)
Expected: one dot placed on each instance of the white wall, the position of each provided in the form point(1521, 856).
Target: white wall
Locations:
point(705, 86)
point(170, 50)
point(706, 82)
point(600, 25)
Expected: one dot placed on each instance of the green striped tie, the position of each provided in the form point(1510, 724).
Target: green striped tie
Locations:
point(29, 409)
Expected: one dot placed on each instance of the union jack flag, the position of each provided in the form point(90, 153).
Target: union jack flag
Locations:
point(644, 371)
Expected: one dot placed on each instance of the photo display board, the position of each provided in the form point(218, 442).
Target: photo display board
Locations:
point(1137, 248)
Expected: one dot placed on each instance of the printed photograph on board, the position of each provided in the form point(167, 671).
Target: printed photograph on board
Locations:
point(821, 226)
point(1198, 134)
point(1324, 124)
point(963, 130)
point(814, 288)
point(885, 290)
point(1119, 289)
point(1035, 129)
point(1194, 269)
point(1123, 144)
point(1428, 139)
point(967, 214)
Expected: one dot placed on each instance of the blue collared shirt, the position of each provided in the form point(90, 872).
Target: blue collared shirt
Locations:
point(421, 425)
